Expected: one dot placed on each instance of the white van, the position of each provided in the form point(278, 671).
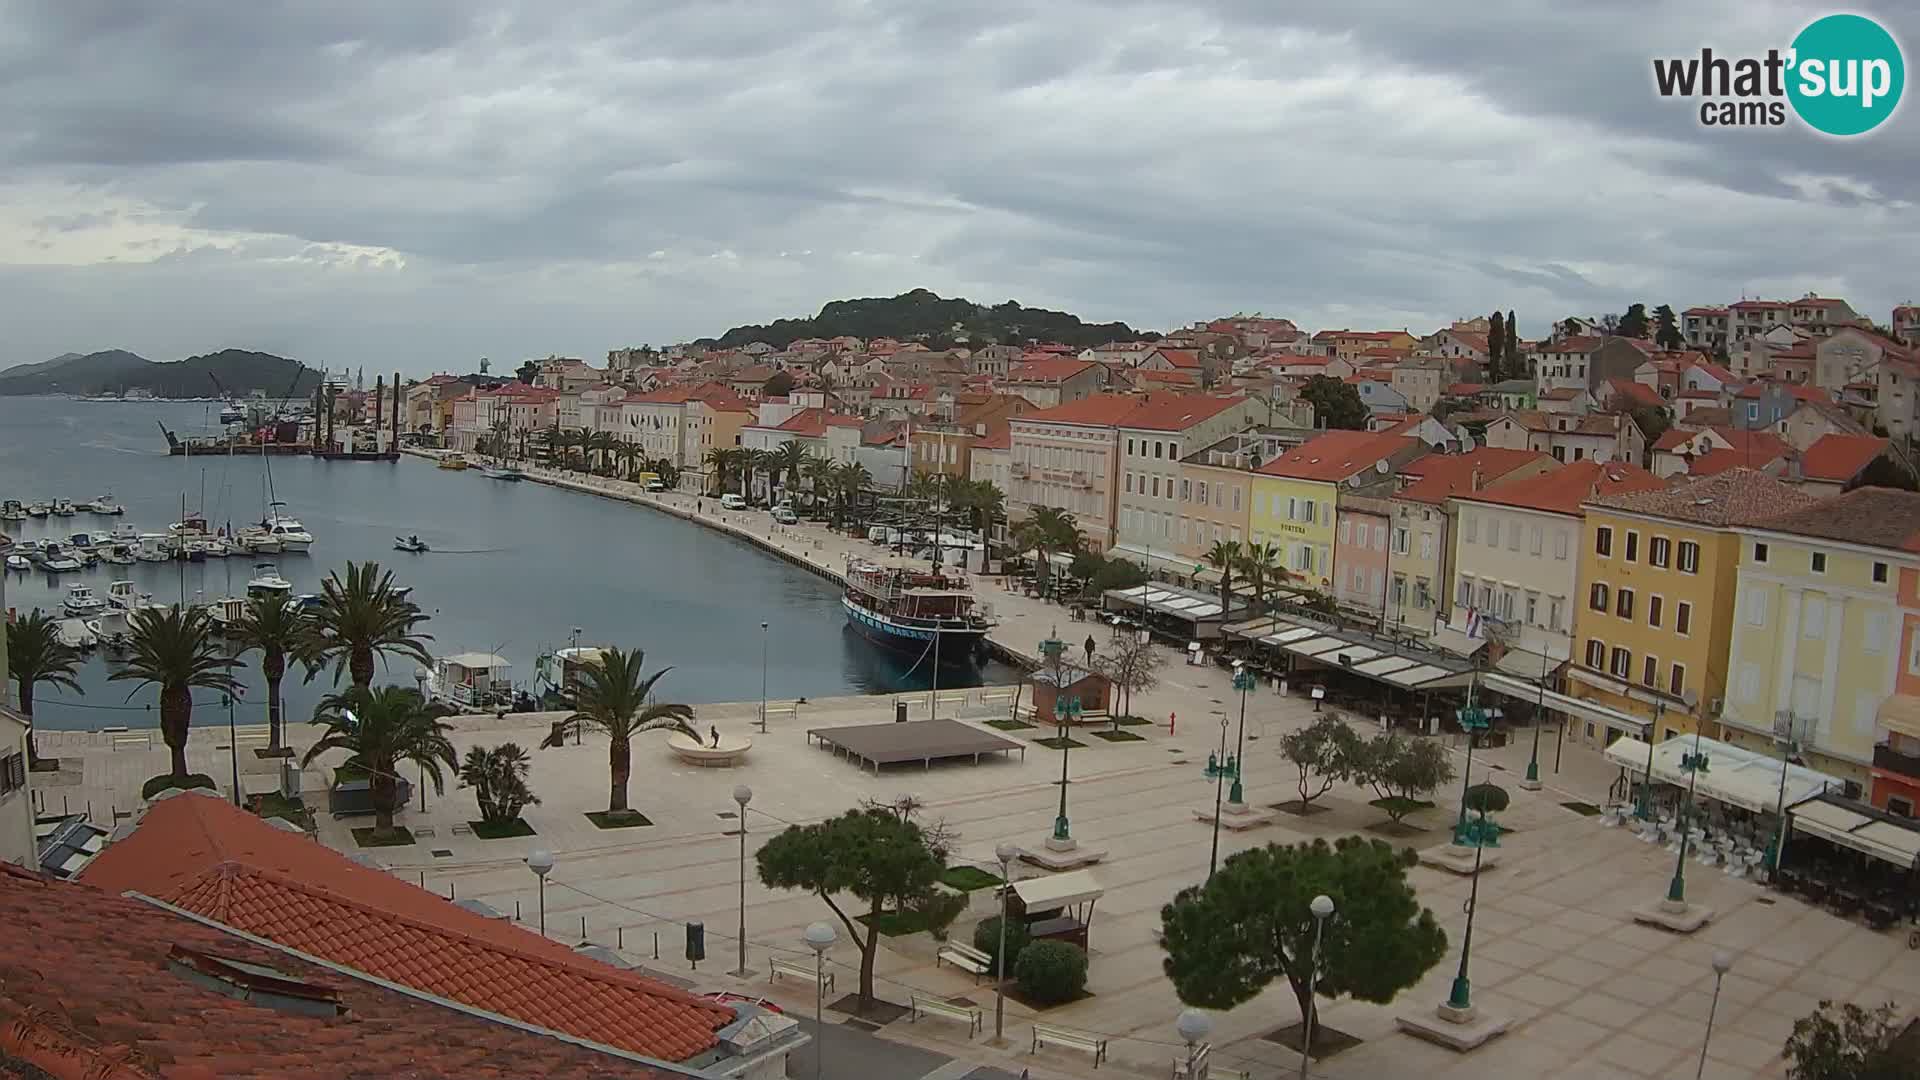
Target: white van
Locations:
point(730, 501)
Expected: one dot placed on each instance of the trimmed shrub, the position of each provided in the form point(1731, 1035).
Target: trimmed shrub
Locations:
point(986, 938)
point(938, 910)
point(1487, 798)
point(157, 784)
point(1051, 972)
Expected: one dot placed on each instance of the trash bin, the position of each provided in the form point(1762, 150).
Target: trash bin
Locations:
point(899, 711)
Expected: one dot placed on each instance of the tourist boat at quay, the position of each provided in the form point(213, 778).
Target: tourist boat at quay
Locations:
point(912, 608)
point(82, 600)
point(473, 680)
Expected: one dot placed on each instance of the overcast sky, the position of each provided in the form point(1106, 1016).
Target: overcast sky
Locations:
point(417, 184)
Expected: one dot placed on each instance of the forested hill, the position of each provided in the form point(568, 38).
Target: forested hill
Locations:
point(922, 316)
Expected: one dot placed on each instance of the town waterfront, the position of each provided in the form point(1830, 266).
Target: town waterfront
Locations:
point(514, 568)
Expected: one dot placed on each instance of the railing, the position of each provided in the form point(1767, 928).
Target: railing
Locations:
point(1886, 757)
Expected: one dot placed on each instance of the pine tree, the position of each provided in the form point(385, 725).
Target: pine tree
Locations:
point(1514, 359)
point(1634, 323)
point(1666, 329)
point(1496, 347)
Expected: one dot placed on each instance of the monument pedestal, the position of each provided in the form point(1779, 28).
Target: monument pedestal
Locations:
point(1456, 1029)
point(1057, 854)
point(1235, 816)
point(1458, 858)
point(1675, 915)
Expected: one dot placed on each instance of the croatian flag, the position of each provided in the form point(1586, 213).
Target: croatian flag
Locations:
point(1473, 622)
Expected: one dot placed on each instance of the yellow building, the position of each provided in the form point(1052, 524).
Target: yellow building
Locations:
point(1654, 611)
point(1294, 495)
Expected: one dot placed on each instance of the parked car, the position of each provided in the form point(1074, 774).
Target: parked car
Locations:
point(655, 485)
point(785, 515)
point(730, 501)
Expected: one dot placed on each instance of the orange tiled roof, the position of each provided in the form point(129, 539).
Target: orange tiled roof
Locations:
point(1564, 489)
point(1098, 410)
point(1335, 455)
point(91, 994)
point(1175, 412)
point(218, 861)
point(1840, 457)
point(1178, 377)
point(1442, 476)
point(1181, 358)
point(1049, 370)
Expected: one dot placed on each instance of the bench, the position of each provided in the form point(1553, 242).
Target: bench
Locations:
point(966, 1014)
point(1048, 1035)
point(964, 957)
point(820, 978)
point(784, 712)
point(952, 699)
point(141, 741)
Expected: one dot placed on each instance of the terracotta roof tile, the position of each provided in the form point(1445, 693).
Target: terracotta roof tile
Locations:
point(1635, 392)
point(221, 862)
point(1336, 455)
point(90, 992)
point(1175, 412)
point(1720, 459)
point(1442, 476)
point(1564, 489)
point(1738, 496)
point(1873, 516)
point(1049, 370)
point(1840, 458)
point(1098, 410)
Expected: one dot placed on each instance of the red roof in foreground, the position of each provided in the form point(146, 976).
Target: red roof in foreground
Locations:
point(1564, 489)
point(1098, 410)
point(89, 994)
point(220, 862)
point(1840, 458)
point(1636, 392)
point(1442, 476)
point(1335, 455)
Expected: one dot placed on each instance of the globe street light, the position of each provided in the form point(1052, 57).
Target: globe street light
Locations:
point(819, 937)
point(1193, 1026)
point(540, 861)
point(742, 795)
point(1322, 908)
point(1219, 788)
point(1006, 853)
point(1722, 963)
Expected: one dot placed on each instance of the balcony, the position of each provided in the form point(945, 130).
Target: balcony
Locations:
point(1894, 761)
point(1065, 477)
point(1018, 468)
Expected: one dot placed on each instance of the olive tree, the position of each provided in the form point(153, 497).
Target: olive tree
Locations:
point(1325, 752)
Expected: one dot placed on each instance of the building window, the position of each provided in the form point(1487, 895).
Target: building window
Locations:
point(1879, 573)
point(1156, 486)
point(1759, 553)
point(1400, 541)
point(1128, 482)
point(1813, 617)
point(1463, 597)
point(1309, 511)
point(1533, 609)
point(1554, 606)
point(1603, 541)
point(1633, 546)
point(1560, 543)
point(1623, 603)
point(1422, 593)
point(1426, 545)
point(1653, 611)
point(1690, 557)
point(1200, 490)
point(1677, 680)
point(1659, 551)
point(1186, 491)
point(1537, 540)
point(1650, 672)
point(1493, 532)
point(1597, 597)
point(1819, 562)
point(1622, 664)
point(1346, 531)
point(13, 773)
point(1596, 654)
point(1130, 450)
point(1236, 498)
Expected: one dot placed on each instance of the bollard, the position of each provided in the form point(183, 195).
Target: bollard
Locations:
point(656, 944)
point(583, 929)
point(449, 890)
point(516, 911)
point(423, 879)
point(620, 938)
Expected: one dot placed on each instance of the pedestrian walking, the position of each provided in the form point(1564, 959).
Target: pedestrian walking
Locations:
point(1170, 718)
point(1089, 650)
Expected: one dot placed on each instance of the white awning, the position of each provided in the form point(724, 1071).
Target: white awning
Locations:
point(476, 661)
point(1298, 633)
point(1059, 890)
point(1529, 690)
point(1870, 836)
point(1734, 775)
point(1385, 665)
point(1453, 641)
point(1314, 646)
point(1426, 675)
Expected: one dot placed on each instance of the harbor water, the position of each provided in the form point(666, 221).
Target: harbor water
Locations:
point(514, 568)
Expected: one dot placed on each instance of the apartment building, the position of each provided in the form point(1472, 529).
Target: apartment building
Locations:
point(1294, 495)
point(1658, 570)
point(1067, 457)
point(1216, 490)
point(1420, 381)
point(1152, 439)
point(1049, 383)
point(1826, 639)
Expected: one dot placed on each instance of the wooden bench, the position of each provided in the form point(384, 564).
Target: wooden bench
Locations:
point(1048, 1035)
point(820, 977)
point(783, 712)
point(966, 1014)
point(964, 957)
point(952, 700)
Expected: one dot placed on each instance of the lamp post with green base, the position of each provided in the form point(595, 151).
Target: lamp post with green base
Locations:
point(1532, 782)
point(1694, 764)
point(1243, 681)
point(1473, 720)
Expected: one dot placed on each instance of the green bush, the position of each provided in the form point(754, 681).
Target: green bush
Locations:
point(986, 938)
point(1487, 798)
point(156, 785)
point(938, 910)
point(1051, 972)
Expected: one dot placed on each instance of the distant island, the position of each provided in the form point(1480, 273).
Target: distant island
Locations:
point(116, 371)
point(922, 316)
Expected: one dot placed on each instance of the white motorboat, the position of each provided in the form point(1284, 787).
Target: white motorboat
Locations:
point(153, 548)
point(39, 509)
point(57, 560)
point(82, 541)
point(192, 525)
point(19, 562)
point(112, 629)
point(74, 634)
point(292, 535)
point(13, 510)
point(124, 533)
point(62, 508)
point(122, 596)
point(213, 547)
point(471, 680)
point(268, 582)
point(117, 555)
point(103, 505)
point(82, 600)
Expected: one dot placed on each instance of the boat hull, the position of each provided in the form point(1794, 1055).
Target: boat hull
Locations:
point(958, 648)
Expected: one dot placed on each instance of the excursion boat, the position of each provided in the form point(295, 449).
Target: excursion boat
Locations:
point(82, 600)
point(471, 681)
point(509, 473)
point(909, 607)
point(453, 461)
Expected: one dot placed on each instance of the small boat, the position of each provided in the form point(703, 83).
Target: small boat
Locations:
point(75, 635)
point(471, 680)
point(82, 541)
point(409, 543)
point(453, 461)
point(103, 505)
point(257, 540)
point(13, 510)
point(305, 602)
point(117, 555)
point(82, 600)
point(232, 414)
point(154, 547)
point(62, 508)
point(227, 612)
point(57, 560)
point(122, 596)
point(508, 473)
point(268, 582)
point(111, 629)
point(213, 547)
point(292, 535)
point(19, 562)
point(124, 533)
point(39, 509)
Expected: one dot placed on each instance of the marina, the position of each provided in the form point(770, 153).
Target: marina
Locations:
point(508, 568)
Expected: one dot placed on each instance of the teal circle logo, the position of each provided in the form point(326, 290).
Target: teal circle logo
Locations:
point(1846, 75)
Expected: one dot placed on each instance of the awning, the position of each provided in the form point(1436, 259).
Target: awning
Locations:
point(1181, 603)
point(1314, 646)
point(1059, 890)
point(1578, 707)
point(1455, 642)
point(1734, 775)
point(1864, 833)
point(1901, 713)
point(1428, 677)
point(1526, 664)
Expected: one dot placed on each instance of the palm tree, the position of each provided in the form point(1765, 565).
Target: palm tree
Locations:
point(611, 696)
point(359, 616)
point(986, 504)
point(819, 474)
point(277, 631)
point(382, 728)
point(37, 655)
point(630, 456)
point(1224, 556)
point(552, 441)
point(1261, 564)
point(725, 461)
point(174, 649)
point(583, 438)
point(1050, 529)
point(787, 462)
point(759, 462)
point(852, 482)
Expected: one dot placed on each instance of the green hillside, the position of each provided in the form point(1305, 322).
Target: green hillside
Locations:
point(922, 316)
point(115, 371)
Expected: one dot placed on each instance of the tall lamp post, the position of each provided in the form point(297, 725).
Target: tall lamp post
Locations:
point(1473, 720)
point(1243, 681)
point(1789, 749)
point(1193, 1027)
point(742, 795)
point(1722, 963)
point(1694, 764)
point(763, 679)
point(233, 745)
point(1220, 768)
point(1322, 908)
point(1644, 811)
point(1460, 1001)
point(540, 861)
point(1006, 853)
point(819, 937)
point(1065, 711)
point(1532, 782)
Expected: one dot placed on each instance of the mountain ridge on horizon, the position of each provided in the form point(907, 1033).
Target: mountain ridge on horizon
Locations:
point(115, 371)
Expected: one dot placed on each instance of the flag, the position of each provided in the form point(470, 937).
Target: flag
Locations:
point(1474, 624)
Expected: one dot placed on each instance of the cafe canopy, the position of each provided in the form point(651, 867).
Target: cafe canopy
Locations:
point(1188, 604)
point(1734, 775)
point(1864, 829)
point(1377, 658)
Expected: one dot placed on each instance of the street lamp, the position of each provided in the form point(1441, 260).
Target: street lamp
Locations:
point(763, 678)
point(1193, 1026)
point(1473, 721)
point(1645, 810)
point(1722, 963)
point(819, 937)
point(1695, 764)
point(1222, 768)
point(1789, 749)
point(1322, 908)
point(1532, 782)
point(1065, 711)
point(233, 744)
point(742, 795)
point(1006, 853)
point(540, 861)
point(1460, 1000)
point(1243, 681)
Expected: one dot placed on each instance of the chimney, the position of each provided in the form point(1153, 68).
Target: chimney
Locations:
point(1473, 483)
